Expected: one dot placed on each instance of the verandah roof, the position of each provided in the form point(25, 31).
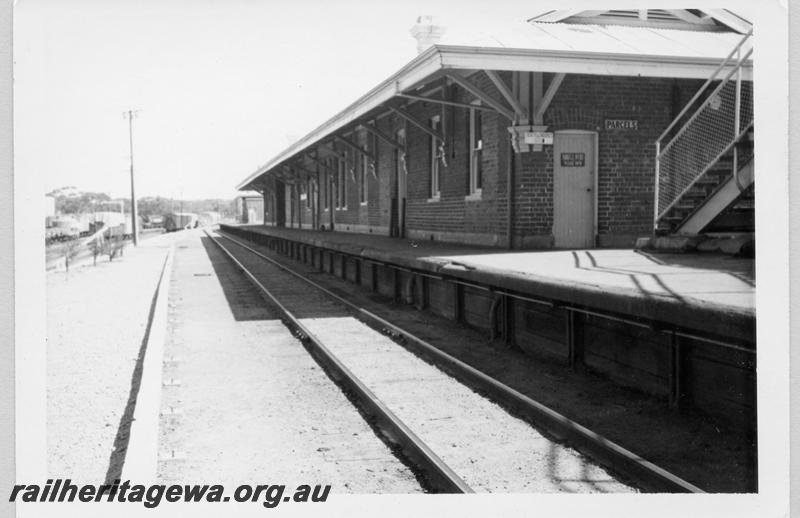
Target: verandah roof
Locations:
point(535, 47)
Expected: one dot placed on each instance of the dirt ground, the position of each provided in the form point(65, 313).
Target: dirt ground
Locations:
point(96, 320)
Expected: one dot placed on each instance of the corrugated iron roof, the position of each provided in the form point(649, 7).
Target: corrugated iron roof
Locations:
point(602, 39)
point(687, 19)
point(553, 47)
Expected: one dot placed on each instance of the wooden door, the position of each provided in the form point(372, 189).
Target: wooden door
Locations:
point(574, 173)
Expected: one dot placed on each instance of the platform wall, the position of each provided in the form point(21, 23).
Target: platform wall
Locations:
point(649, 356)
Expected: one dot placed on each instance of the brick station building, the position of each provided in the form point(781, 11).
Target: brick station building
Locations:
point(542, 135)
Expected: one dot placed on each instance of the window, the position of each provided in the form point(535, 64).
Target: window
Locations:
point(476, 151)
point(335, 183)
point(400, 165)
point(363, 171)
point(326, 183)
point(433, 155)
point(341, 183)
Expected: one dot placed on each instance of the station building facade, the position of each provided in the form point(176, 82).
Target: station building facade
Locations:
point(527, 146)
point(250, 209)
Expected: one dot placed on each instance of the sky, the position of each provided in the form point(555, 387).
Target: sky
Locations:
point(220, 87)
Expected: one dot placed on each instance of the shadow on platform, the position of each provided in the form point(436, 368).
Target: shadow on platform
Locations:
point(243, 298)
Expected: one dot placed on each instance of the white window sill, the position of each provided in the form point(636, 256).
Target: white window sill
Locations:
point(475, 196)
point(364, 203)
point(435, 199)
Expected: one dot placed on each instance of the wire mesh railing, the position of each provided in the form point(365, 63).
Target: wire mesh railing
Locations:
point(695, 141)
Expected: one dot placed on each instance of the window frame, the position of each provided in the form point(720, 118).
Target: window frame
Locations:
point(476, 141)
point(341, 182)
point(434, 169)
point(363, 191)
point(326, 184)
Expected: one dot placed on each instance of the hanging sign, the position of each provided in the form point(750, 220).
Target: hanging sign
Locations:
point(538, 137)
point(573, 159)
point(622, 124)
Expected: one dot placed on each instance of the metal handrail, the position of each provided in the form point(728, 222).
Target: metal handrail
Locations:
point(705, 85)
point(705, 169)
point(705, 103)
point(662, 149)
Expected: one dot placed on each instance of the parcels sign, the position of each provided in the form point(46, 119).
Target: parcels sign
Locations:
point(622, 124)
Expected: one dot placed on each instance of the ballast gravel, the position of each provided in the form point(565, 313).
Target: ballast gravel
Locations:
point(251, 405)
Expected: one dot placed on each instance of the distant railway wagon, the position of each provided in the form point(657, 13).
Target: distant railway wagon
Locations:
point(153, 221)
point(63, 228)
point(180, 221)
point(119, 223)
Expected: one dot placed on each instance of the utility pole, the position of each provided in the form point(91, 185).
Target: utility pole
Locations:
point(130, 115)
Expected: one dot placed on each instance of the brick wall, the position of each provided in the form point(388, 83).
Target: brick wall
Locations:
point(455, 212)
point(626, 172)
point(583, 102)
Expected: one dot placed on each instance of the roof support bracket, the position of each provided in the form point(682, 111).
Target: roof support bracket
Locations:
point(320, 163)
point(424, 127)
point(383, 136)
point(547, 98)
point(301, 167)
point(483, 96)
point(519, 111)
point(285, 175)
point(324, 151)
point(446, 103)
point(355, 147)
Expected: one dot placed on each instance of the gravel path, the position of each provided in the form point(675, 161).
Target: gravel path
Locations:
point(96, 320)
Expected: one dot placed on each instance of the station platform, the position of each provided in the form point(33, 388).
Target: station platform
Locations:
point(704, 292)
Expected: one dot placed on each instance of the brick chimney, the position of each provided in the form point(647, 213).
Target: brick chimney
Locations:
point(426, 32)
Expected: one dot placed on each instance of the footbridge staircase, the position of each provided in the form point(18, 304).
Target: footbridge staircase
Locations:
point(704, 159)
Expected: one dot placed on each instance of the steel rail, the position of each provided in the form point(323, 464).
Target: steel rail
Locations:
point(651, 477)
point(441, 477)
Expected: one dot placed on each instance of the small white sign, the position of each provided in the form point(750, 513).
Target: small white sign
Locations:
point(538, 137)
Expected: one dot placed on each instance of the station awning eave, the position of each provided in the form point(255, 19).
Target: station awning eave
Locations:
point(440, 58)
point(420, 68)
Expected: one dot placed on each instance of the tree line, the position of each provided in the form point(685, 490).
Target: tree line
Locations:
point(85, 202)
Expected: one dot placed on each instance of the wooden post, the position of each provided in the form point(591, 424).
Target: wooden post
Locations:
point(676, 372)
point(508, 320)
point(458, 302)
point(574, 335)
point(395, 284)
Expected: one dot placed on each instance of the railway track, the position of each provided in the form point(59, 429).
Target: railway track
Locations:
point(455, 437)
